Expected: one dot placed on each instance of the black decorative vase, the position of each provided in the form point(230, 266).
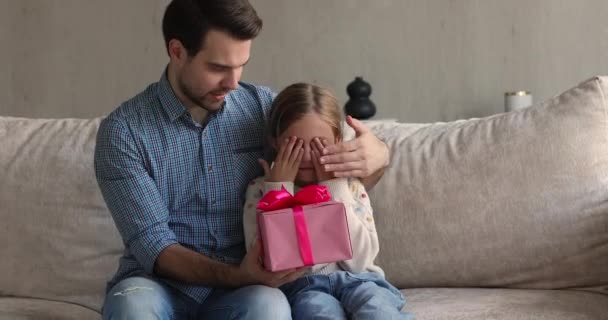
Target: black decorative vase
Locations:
point(359, 106)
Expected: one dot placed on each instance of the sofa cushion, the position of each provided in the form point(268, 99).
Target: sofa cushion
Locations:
point(507, 304)
point(58, 238)
point(517, 199)
point(36, 309)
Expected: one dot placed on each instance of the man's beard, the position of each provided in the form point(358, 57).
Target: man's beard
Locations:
point(200, 100)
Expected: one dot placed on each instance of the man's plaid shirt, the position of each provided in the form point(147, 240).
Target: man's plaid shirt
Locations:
point(168, 180)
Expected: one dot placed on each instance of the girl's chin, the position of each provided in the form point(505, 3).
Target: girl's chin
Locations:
point(302, 183)
point(305, 177)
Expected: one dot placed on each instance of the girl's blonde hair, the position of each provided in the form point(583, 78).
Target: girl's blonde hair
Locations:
point(298, 99)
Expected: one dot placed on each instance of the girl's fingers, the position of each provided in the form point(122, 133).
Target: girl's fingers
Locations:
point(282, 146)
point(315, 162)
point(317, 145)
point(324, 143)
point(265, 166)
point(299, 157)
point(313, 157)
point(289, 150)
point(295, 151)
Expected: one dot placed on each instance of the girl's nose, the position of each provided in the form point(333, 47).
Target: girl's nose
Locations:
point(307, 154)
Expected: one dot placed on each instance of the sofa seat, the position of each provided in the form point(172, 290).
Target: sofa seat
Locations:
point(505, 304)
point(38, 309)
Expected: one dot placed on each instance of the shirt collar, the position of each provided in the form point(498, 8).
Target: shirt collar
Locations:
point(173, 107)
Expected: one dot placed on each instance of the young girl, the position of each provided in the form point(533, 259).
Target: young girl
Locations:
point(305, 118)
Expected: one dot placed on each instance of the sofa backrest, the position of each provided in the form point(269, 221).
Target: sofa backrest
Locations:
point(517, 199)
point(58, 239)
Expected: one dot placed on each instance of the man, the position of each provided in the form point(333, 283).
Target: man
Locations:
point(173, 164)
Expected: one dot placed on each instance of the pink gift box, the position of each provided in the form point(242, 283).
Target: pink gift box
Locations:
point(327, 230)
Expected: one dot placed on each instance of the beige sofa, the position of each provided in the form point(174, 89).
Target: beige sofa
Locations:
point(504, 217)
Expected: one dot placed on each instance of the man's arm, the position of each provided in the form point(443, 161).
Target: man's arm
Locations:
point(142, 217)
point(370, 181)
point(182, 264)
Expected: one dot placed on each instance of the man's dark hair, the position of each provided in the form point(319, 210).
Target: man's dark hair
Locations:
point(189, 21)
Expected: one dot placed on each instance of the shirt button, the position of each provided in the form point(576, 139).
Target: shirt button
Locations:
point(210, 168)
point(213, 202)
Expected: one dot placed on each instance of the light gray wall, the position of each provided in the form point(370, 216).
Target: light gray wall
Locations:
point(427, 60)
point(77, 58)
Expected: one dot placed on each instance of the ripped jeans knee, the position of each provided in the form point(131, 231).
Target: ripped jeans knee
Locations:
point(139, 298)
point(132, 290)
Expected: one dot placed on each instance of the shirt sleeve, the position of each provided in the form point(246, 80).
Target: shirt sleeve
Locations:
point(364, 239)
point(266, 98)
point(131, 195)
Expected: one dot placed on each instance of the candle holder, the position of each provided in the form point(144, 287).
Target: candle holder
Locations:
point(517, 100)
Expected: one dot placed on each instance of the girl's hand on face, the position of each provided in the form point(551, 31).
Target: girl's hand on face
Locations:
point(316, 149)
point(285, 166)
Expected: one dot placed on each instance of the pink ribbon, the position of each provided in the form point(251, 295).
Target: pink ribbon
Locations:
point(275, 200)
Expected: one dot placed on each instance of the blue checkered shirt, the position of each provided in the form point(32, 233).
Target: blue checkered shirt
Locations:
point(168, 180)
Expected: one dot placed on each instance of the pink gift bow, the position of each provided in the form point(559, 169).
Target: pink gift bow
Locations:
point(276, 200)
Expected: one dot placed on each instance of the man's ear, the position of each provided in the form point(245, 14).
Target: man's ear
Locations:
point(177, 51)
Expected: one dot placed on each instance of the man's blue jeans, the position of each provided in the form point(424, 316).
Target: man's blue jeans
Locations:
point(145, 298)
point(344, 295)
